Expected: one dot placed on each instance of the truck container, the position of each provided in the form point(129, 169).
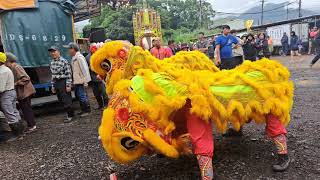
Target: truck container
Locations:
point(28, 32)
point(276, 33)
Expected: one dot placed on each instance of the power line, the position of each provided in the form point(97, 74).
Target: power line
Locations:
point(231, 13)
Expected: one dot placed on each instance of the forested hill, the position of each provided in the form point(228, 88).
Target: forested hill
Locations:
point(273, 13)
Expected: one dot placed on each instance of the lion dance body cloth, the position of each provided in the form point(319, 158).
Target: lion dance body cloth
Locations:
point(163, 106)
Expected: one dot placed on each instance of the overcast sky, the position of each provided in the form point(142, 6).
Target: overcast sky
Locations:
point(242, 5)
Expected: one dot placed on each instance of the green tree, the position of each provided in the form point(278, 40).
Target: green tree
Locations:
point(178, 17)
point(183, 13)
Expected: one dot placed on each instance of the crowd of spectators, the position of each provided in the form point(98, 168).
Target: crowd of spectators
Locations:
point(16, 89)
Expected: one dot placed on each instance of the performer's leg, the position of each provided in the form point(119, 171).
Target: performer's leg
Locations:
point(202, 142)
point(205, 165)
point(277, 132)
point(316, 58)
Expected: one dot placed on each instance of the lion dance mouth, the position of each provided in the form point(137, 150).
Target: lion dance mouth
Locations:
point(132, 134)
point(149, 97)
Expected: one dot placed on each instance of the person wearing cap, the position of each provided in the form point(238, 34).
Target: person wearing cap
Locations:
point(224, 47)
point(81, 77)
point(8, 99)
point(24, 90)
point(158, 51)
point(98, 88)
point(61, 80)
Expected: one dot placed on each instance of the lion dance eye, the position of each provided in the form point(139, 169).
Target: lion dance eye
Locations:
point(129, 143)
point(130, 89)
point(106, 65)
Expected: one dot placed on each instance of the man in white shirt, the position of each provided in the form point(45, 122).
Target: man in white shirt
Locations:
point(81, 77)
point(8, 98)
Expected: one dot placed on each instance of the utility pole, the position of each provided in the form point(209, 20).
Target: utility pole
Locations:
point(200, 18)
point(300, 4)
point(287, 12)
point(262, 11)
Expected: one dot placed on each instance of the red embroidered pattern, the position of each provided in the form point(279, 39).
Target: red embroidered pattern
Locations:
point(205, 165)
point(281, 144)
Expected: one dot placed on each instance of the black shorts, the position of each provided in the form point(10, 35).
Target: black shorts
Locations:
point(230, 63)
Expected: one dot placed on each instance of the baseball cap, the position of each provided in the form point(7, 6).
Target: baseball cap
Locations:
point(53, 48)
point(72, 45)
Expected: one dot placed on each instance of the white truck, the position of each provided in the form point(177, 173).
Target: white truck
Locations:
point(276, 33)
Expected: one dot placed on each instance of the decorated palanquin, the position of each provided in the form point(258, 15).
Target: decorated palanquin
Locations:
point(146, 26)
point(149, 98)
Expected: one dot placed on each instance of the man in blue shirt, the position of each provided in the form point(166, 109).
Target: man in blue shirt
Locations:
point(224, 56)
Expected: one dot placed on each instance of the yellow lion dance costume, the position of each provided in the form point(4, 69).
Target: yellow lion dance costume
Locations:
point(152, 99)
